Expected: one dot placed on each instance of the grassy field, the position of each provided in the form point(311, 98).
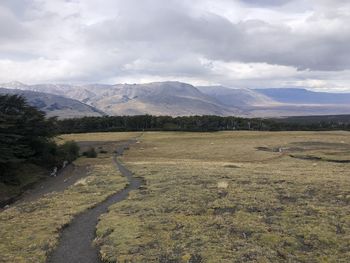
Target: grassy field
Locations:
point(30, 230)
point(207, 197)
point(234, 197)
point(97, 137)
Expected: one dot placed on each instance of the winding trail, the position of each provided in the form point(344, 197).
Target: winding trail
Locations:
point(75, 244)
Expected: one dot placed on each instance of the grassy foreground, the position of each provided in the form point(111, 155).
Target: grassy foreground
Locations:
point(29, 231)
point(234, 197)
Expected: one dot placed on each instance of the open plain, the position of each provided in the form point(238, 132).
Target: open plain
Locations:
point(234, 197)
point(205, 197)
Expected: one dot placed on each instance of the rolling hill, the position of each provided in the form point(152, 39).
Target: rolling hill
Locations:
point(54, 105)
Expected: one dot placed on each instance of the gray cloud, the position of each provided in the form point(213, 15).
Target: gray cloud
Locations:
point(11, 28)
point(215, 37)
point(283, 42)
point(266, 2)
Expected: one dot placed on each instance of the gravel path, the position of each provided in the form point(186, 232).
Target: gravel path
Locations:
point(75, 245)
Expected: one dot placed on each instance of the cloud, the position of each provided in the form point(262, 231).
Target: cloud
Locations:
point(11, 29)
point(266, 2)
point(247, 43)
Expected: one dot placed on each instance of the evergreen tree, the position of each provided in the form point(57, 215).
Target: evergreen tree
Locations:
point(24, 133)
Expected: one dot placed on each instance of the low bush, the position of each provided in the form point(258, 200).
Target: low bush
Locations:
point(69, 150)
point(91, 153)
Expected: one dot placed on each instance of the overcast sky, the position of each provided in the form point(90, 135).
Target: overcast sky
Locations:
point(236, 43)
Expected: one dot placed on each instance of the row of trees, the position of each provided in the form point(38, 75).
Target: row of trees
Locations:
point(26, 136)
point(161, 123)
point(192, 123)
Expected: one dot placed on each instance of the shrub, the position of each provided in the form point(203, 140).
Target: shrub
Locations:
point(91, 153)
point(70, 150)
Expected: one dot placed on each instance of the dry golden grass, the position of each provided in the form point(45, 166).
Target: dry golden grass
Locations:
point(29, 231)
point(97, 136)
point(214, 197)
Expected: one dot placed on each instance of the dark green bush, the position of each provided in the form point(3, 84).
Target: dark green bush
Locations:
point(91, 153)
point(70, 150)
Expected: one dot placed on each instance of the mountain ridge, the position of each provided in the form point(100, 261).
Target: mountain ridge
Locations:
point(182, 99)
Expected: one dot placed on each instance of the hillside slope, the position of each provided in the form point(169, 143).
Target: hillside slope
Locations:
point(162, 98)
point(158, 98)
point(304, 96)
point(237, 97)
point(55, 105)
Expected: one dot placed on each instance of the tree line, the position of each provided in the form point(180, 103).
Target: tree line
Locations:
point(196, 123)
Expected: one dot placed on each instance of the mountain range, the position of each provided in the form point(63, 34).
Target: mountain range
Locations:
point(177, 99)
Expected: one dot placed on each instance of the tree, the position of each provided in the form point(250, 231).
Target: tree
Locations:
point(24, 134)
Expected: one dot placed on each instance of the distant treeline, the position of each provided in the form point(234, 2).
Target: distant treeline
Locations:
point(197, 123)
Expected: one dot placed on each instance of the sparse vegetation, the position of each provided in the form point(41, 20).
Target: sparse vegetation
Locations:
point(217, 198)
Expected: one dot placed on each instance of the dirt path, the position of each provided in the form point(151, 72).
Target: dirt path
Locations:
point(75, 245)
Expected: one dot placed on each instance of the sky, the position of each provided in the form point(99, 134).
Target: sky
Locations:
point(235, 43)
